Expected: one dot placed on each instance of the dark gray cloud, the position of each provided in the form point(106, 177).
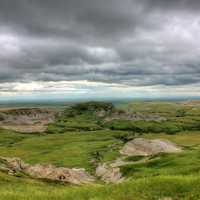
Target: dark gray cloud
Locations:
point(177, 5)
point(134, 42)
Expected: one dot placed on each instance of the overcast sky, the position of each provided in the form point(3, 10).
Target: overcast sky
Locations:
point(99, 48)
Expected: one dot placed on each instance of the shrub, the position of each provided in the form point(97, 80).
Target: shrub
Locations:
point(88, 107)
point(144, 126)
point(180, 113)
point(125, 137)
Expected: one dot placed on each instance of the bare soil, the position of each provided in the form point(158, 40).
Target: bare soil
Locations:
point(27, 119)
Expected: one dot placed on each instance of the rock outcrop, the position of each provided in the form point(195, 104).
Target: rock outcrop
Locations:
point(147, 147)
point(109, 174)
point(27, 119)
point(50, 172)
point(132, 116)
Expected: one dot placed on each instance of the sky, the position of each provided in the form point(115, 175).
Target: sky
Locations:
point(99, 49)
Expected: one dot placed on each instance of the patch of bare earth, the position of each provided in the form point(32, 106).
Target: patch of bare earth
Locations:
point(129, 115)
point(109, 174)
point(50, 172)
point(147, 147)
point(27, 119)
point(191, 103)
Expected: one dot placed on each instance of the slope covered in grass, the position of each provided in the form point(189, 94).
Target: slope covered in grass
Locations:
point(143, 117)
point(174, 176)
point(74, 149)
point(74, 139)
point(154, 188)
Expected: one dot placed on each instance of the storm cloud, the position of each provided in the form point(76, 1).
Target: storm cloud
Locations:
point(134, 43)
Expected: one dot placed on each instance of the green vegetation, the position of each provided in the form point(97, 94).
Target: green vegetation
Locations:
point(82, 135)
point(187, 163)
point(146, 126)
point(80, 117)
point(72, 149)
point(176, 187)
point(91, 116)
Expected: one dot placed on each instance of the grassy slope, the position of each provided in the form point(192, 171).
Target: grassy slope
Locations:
point(69, 149)
point(178, 187)
point(185, 163)
point(176, 176)
point(179, 117)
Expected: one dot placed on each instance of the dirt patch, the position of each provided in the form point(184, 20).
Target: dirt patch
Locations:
point(130, 115)
point(50, 172)
point(108, 173)
point(146, 147)
point(27, 119)
point(190, 103)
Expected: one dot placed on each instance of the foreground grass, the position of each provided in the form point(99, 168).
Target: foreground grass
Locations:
point(176, 176)
point(72, 142)
point(176, 187)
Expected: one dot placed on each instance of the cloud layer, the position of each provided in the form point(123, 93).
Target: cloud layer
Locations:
point(134, 43)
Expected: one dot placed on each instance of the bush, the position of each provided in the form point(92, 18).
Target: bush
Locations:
point(88, 107)
point(144, 126)
point(180, 113)
point(125, 137)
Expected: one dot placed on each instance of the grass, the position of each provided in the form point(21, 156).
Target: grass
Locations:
point(177, 164)
point(73, 140)
point(154, 188)
point(186, 138)
point(179, 117)
point(176, 175)
point(82, 117)
point(68, 149)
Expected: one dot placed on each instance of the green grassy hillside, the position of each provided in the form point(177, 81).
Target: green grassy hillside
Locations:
point(73, 139)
